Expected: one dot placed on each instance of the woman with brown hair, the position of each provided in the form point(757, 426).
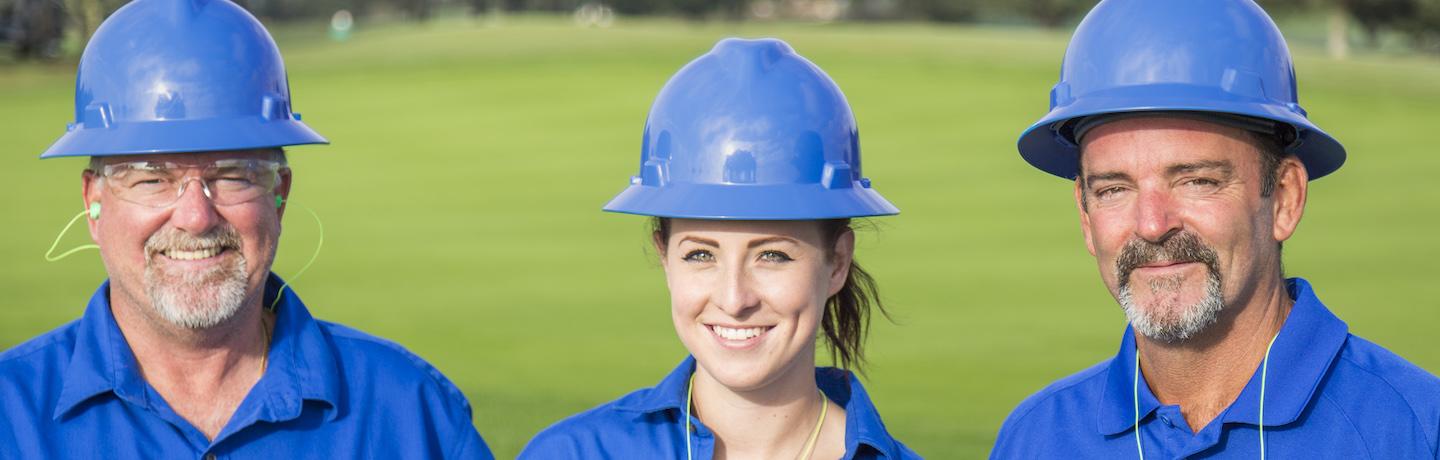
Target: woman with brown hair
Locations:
point(750, 168)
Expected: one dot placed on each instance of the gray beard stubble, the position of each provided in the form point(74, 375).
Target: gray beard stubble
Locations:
point(1170, 323)
point(197, 299)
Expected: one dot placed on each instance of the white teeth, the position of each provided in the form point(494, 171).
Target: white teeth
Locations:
point(730, 333)
point(192, 255)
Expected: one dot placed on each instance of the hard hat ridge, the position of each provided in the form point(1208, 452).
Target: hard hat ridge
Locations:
point(174, 76)
point(750, 130)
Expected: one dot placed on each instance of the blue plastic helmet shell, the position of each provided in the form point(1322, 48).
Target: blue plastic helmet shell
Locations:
point(1222, 56)
point(750, 131)
point(173, 76)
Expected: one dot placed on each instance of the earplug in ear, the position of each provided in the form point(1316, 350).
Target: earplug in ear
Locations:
point(95, 211)
point(279, 201)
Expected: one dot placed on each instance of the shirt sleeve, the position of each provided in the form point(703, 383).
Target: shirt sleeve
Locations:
point(472, 447)
point(550, 444)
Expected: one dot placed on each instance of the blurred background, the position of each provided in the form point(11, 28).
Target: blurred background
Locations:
point(474, 143)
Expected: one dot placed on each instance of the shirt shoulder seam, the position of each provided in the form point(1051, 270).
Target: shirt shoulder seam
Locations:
point(52, 338)
point(1388, 384)
point(1048, 393)
point(1351, 422)
point(433, 374)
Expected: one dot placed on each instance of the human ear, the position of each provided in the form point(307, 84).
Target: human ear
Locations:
point(842, 255)
point(282, 191)
point(1084, 216)
point(661, 246)
point(1291, 187)
point(90, 199)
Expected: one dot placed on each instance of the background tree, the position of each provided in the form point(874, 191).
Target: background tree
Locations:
point(1376, 15)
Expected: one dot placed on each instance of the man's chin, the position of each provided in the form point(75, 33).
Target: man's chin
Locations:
point(196, 317)
point(197, 307)
point(1171, 315)
point(1168, 306)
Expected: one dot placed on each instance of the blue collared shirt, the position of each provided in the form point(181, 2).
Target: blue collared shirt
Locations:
point(650, 424)
point(328, 392)
point(1328, 394)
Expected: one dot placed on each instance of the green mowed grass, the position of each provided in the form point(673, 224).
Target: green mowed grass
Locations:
point(461, 205)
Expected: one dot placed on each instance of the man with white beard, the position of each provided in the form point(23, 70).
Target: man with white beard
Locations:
point(192, 348)
point(1178, 122)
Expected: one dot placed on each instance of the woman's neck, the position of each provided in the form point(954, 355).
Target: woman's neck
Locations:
point(772, 421)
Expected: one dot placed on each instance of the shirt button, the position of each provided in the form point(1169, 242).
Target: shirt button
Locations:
point(209, 456)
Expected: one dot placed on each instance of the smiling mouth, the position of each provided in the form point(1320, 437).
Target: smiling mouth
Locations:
point(738, 333)
point(193, 254)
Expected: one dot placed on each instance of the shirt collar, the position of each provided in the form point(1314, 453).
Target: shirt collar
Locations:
point(101, 360)
point(301, 365)
point(669, 394)
point(1300, 358)
point(862, 420)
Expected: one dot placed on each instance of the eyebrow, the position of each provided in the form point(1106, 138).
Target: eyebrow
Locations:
point(699, 240)
point(1120, 176)
point(753, 244)
point(773, 239)
point(1222, 166)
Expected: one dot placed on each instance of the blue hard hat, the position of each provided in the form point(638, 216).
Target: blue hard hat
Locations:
point(750, 131)
point(172, 76)
point(1218, 56)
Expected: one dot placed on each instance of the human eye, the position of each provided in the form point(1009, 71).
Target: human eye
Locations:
point(699, 255)
point(1108, 192)
point(775, 257)
point(234, 177)
point(1203, 183)
point(143, 180)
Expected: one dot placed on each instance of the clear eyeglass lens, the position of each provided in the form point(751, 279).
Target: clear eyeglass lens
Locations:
point(160, 184)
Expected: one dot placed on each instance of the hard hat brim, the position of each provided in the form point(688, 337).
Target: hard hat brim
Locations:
point(1045, 148)
point(751, 202)
point(182, 136)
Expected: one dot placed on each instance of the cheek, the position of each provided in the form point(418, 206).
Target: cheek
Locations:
point(1109, 232)
point(122, 235)
point(688, 295)
point(259, 230)
point(1230, 231)
point(798, 294)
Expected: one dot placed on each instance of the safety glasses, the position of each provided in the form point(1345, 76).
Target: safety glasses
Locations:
point(159, 184)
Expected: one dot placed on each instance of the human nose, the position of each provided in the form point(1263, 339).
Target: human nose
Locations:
point(1156, 217)
point(194, 211)
point(735, 294)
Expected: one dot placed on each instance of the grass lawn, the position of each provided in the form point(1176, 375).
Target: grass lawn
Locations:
point(461, 205)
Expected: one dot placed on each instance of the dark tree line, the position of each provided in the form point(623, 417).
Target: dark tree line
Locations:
point(1417, 20)
point(34, 28)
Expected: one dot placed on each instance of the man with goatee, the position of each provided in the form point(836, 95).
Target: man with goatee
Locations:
point(1178, 122)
